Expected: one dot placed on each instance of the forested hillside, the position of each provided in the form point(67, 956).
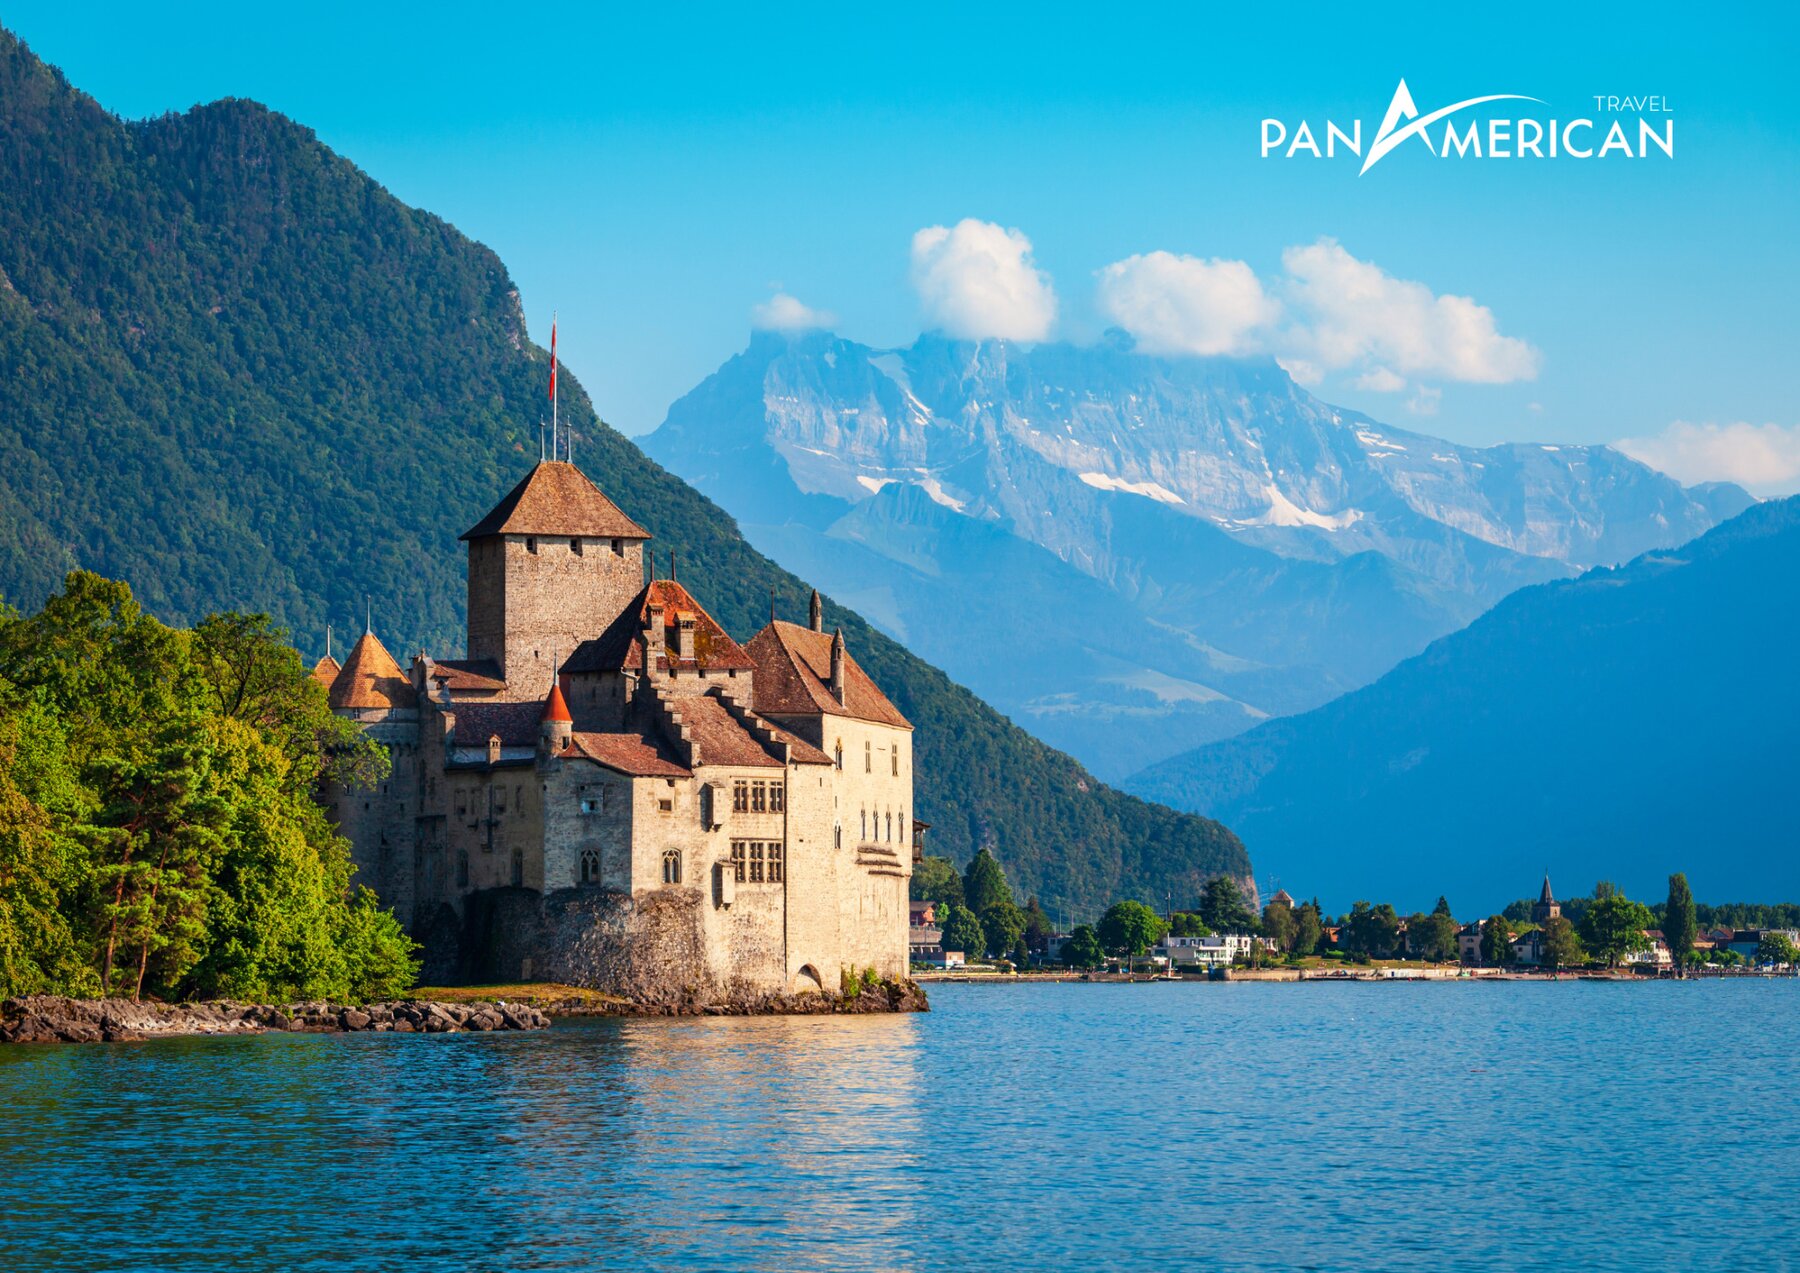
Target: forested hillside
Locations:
point(239, 374)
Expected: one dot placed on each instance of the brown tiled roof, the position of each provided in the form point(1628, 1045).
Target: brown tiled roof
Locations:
point(621, 646)
point(325, 671)
point(722, 740)
point(371, 679)
point(556, 498)
point(793, 678)
point(631, 754)
point(469, 674)
point(516, 724)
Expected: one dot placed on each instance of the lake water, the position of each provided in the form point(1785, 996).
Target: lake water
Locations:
point(1197, 1126)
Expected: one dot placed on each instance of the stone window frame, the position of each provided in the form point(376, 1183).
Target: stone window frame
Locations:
point(777, 862)
point(894, 755)
point(759, 797)
point(838, 748)
point(740, 796)
point(777, 798)
point(868, 756)
point(757, 848)
point(589, 867)
point(671, 866)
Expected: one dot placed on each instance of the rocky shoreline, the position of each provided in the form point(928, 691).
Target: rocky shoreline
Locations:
point(55, 1019)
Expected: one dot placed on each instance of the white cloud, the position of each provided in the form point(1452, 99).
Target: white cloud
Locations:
point(782, 313)
point(1764, 458)
point(1425, 400)
point(977, 280)
point(1352, 312)
point(1381, 380)
point(1184, 305)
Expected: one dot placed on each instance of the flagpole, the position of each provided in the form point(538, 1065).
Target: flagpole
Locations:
point(553, 392)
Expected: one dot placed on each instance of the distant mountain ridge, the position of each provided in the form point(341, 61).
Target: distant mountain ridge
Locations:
point(1263, 550)
point(1624, 725)
point(240, 374)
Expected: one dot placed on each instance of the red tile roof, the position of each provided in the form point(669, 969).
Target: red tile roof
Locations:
point(556, 498)
point(371, 679)
point(722, 740)
point(469, 674)
point(516, 724)
point(325, 671)
point(621, 646)
point(631, 754)
point(793, 678)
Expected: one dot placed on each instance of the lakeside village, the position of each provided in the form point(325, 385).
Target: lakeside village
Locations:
point(970, 924)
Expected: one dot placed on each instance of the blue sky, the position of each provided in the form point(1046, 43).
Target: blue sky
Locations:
point(656, 176)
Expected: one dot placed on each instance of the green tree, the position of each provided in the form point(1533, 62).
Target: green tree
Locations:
point(1496, 942)
point(1372, 930)
point(1433, 937)
point(1776, 948)
point(161, 832)
point(1037, 928)
point(1188, 924)
point(1130, 928)
point(936, 880)
point(1222, 906)
point(984, 883)
point(1614, 925)
point(1083, 949)
point(1679, 923)
point(1562, 946)
point(1309, 930)
point(962, 931)
point(1279, 925)
point(1004, 925)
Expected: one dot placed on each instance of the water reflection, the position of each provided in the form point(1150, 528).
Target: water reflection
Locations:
point(1074, 1127)
point(602, 1144)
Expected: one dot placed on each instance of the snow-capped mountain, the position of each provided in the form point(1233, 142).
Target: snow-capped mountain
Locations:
point(1134, 554)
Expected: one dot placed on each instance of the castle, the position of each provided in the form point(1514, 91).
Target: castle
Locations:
point(610, 791)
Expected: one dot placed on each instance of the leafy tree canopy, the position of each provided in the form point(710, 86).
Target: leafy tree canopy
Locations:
point(159, 830)
point(1083, 949)
point(1130, 928)
point(936, 880)
point(1222, 906)
point(984, 883)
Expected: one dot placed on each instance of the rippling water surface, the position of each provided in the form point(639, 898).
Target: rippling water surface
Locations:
point(1059, 1127)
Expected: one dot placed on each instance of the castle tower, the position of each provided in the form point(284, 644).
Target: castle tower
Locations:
point(552, 565)
point(1547, 907)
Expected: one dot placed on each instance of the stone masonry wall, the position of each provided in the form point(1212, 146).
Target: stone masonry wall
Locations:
point(533, 599)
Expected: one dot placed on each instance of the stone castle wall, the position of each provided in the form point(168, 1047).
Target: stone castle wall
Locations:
point(533, 599)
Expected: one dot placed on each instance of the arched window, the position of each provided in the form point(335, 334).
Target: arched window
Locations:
point(895, 758)
point(837, 835)
point(890, 826)
point(840, 753)
point(865, 830)
point(868, 756)
point(672, 866)
point(518, 869)
point(590, 867)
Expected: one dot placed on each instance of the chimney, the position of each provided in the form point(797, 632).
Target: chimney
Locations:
point(837, 666)
point(818, 612)
point(655, 633)
point(684, 636)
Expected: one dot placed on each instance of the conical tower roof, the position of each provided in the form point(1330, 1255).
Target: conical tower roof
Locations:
point(1545, 895)
point(326, 670)
point(371, 679)
point(556, 498)
point(556, 708)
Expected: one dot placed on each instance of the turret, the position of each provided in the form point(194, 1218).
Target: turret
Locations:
point(818, 612)
point(837, 666)
point(556, 724)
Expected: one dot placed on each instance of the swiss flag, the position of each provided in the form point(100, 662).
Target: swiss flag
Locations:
point(553, 360)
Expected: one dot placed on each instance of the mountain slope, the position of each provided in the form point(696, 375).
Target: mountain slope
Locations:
point(1630, 723)
point(242, 375)
point(1218, 501)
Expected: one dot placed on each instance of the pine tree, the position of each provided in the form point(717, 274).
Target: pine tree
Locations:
point(1679, 923)
point(984, 883)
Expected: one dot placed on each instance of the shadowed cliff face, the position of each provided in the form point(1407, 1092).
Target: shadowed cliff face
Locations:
point(1195, 544)
point(241, 375)
point(1624, 725)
